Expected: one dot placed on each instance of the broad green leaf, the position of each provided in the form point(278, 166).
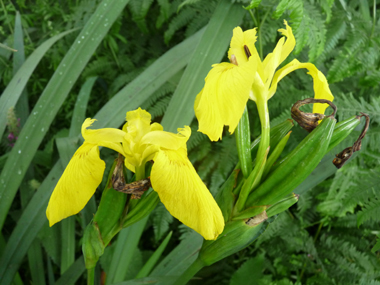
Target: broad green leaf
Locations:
point(34, 217)
point(13, 91)
point(210, 50)
point(148, 266)
point(52, 98)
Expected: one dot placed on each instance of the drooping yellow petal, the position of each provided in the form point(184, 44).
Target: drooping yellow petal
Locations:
point(223, 98)
point(321, 87)
point(78, 183)
point(280, 53)
point(105, 134)
point(184, 194)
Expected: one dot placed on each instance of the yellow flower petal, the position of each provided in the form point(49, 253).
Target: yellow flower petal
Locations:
point(223, 98)
point(280, 53)
point(138, 124)
point(321, 87)
point(78, 183)
point(105, 134)
point(168, 140)
point(238, 41)
point(184, 194)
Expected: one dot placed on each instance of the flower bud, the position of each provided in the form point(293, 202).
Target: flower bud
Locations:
point(93, 246)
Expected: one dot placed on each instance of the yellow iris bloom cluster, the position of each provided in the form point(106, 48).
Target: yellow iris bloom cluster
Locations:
point(228, 86)
point(172, 176)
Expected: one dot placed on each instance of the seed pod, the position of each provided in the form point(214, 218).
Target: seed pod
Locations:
point(309, 121)
point(342, 157)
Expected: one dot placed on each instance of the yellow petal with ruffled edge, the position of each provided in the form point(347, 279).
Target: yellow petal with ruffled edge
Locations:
point(168, 140)
point(77, 184)
point(238, 41)
point(184, 194)
point(223, 98)
point(138, 124)
point(321, 87)
point(280, 53)
point(105, 134)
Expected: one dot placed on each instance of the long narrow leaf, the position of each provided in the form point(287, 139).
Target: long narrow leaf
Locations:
point(136, 92)
point(210, 50)
point(14, 89)
point(73, 273)
point(125, 248)
point(148, 266)
point(52, 98)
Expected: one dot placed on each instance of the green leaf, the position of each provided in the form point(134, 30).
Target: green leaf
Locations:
point(252, 269)
point(79, 113)
point(73, 273)
point(67, 243)
point(127, 241)
point(52, 98)
point(12, 93)
point(180, 258)
point(144, 272)
point(210, 50)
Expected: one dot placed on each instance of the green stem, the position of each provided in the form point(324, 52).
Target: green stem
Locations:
point(90, 276)
point(140, 172)
point(190, 272)
point(262, 107)
point(243, 144)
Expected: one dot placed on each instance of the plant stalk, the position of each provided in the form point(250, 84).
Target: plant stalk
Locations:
point(190, 272)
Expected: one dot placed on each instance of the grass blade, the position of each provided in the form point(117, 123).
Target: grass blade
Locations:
point(52, 98)
point(210, 50)
point(127, 241)
point(73, 273)
point(148, 266)
point(79, 114)
point(179, 259)
point(68, 243)
point(13, 91)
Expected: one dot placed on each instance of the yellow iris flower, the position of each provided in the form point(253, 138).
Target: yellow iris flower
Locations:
point(172, 176)
point(228, 86)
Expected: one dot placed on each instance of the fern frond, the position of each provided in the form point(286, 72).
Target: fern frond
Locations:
point(349, 105)
point(178, 22)
point(139, 9)
point(161, 219)
point(187, 2)
point(370, 211)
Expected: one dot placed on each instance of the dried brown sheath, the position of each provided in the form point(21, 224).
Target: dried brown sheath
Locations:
point(342, 157)
point(136, 188)
point(309, 121)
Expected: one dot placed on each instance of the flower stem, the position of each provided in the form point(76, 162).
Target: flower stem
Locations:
point(262, 107)
point(190, 272)
point(90, 276)
point(140, 172)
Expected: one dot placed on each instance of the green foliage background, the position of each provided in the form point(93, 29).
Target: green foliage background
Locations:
point(331, 236)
